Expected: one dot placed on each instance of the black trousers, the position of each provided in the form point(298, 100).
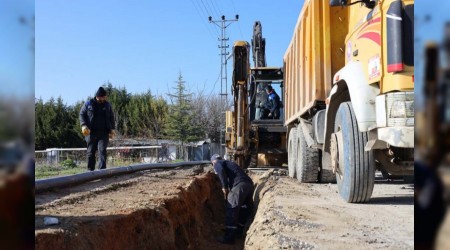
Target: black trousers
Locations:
point(239, 204)
point(265, 114)
point(96, 142)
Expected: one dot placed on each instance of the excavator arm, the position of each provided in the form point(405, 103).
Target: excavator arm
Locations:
point(258, 46)
point(237, 127)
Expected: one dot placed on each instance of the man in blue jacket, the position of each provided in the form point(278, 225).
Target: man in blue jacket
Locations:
point(238, 191)
point(97, 125)
point(273, 104)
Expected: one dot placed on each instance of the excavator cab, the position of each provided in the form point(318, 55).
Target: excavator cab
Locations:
point(267, 136)
point(261, 79)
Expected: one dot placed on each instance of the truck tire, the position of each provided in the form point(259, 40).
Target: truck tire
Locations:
point(292, 152)
point(307, 160)
point(356, 173)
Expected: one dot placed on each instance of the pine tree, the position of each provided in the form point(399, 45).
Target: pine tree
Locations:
point(180, 113)
point(159, 114)
point(147, 115)
point(56, 125)
point(119, 99)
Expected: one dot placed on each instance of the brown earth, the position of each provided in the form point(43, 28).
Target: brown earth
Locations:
point(147, 210)
point(312, 216)
point(176, 210)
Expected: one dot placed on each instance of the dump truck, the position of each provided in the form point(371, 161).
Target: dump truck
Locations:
point(349, 94)
point(252, 141)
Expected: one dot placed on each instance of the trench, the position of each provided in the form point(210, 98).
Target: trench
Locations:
point(192, 219)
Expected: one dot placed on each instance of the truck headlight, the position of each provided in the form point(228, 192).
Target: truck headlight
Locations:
point(401, 109)
point(395, 109)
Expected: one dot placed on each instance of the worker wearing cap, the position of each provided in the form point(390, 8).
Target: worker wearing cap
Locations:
point(238, 191)
point(97, 125)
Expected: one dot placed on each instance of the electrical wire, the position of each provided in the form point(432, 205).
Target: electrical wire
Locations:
point(214, 8)
point(201, 18)
point(207, 8)
point(206, 11)
point(218, 7)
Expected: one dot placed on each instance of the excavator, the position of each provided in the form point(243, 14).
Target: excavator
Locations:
point(252, 141)
point(433, 121)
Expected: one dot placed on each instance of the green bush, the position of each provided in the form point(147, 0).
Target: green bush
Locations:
point(69, 163)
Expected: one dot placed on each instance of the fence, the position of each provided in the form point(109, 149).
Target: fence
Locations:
point(118, 156)
point(115, 155)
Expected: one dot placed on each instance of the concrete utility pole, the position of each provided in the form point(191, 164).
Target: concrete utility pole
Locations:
point(223, 23)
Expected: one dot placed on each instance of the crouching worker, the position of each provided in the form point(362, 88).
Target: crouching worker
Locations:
point(238, 191)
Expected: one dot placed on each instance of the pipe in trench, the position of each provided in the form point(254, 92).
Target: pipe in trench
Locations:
point(63, 181)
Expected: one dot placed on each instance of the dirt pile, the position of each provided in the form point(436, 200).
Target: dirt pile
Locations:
point(292, 215)
point(176, 210)
point(162, 210)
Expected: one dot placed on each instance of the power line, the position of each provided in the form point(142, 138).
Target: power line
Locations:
point(223, 23)
point(215, 83)
point(201, 18)
point(211, 3)
point(208, 11)
point(200, 8)
point(218, 9)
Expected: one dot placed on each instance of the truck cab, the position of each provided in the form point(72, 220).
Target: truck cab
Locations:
point(349, 77)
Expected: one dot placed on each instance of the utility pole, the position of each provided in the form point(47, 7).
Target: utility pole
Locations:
point(223, 23)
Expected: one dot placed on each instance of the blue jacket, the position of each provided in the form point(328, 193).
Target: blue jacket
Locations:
point(273, 102)
point(230, 174)
point(87, 115)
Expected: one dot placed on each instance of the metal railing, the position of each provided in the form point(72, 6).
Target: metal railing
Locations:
point(139, 154)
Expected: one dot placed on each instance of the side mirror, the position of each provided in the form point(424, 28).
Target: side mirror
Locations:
point(338, 2)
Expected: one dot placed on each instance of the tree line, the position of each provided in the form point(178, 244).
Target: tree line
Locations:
point(181, 116)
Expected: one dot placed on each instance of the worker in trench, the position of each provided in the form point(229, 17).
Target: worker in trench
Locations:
point(238, 189)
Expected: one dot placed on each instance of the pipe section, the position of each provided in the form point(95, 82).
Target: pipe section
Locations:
point(71, 180)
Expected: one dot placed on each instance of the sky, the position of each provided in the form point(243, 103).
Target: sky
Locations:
point(16, 48)
point(144, 44)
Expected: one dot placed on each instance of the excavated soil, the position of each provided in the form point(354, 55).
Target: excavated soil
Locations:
point(292, 215)
point(180, 209)
point(175, 209)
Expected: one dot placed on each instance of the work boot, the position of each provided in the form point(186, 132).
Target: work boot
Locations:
point(228, 237)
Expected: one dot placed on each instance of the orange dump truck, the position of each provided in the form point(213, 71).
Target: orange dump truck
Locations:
point(349, 94)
